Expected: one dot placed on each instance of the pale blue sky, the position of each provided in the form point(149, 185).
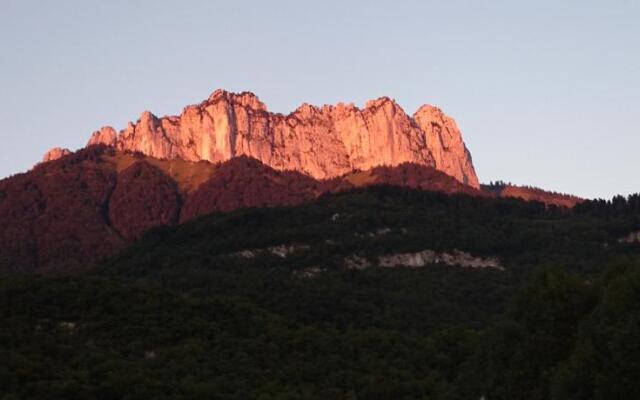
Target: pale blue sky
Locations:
point(546, 93)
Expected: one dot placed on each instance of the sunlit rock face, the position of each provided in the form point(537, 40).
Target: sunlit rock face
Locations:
point(55, 153)
point(446, 145)
point(323, 142)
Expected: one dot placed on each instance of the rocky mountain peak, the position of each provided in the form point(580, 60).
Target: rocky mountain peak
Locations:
point(244, 99)
point(322, 142)
point(382, 102)
point(147, 118)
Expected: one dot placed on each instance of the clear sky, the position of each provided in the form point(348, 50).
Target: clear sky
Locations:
point(546, 92)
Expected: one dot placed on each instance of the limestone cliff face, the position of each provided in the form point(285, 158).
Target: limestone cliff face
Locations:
point(323, 142)
point(446, 144)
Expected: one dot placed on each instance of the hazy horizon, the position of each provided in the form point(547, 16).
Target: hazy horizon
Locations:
point(545, 94)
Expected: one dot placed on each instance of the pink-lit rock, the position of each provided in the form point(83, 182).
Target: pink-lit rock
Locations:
point(323, 142)
point(55, 153)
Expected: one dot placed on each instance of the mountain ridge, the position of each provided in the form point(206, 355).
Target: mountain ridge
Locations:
point(323, 142)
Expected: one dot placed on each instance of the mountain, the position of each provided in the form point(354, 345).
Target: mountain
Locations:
point(272, 274)
point(225, 153)
point(75, 210)
point(322, 142)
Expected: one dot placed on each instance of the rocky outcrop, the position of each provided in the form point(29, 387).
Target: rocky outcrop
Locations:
point(425, 258)
point(446, 145)
point(55, 153)
point(631, 238)
point(323, 142)
point(282, 251)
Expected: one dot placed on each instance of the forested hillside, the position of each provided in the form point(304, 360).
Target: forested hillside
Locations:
point(305, 302)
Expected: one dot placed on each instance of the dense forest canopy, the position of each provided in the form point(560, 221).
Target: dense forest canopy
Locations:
point(262, 303)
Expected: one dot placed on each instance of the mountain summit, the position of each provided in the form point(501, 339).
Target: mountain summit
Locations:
point(323, 142)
